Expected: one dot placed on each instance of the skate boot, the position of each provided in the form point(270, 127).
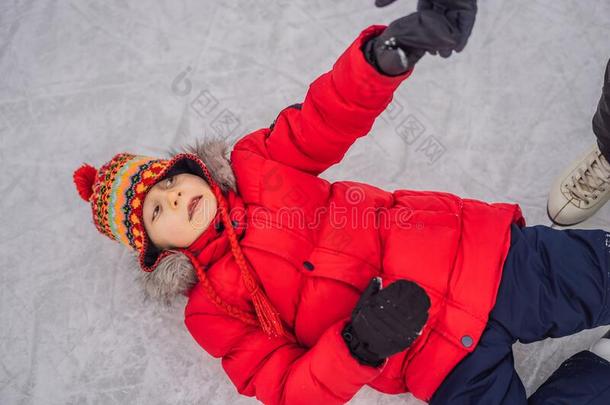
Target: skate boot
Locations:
point(581, 190)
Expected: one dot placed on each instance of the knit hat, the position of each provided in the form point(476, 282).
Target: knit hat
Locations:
point(116, 193)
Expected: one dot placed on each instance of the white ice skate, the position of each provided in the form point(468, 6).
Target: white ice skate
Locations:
point(581, 190)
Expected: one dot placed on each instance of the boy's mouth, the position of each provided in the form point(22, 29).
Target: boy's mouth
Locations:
point(192, 205)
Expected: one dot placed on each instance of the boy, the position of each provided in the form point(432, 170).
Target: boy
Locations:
point(283, 304)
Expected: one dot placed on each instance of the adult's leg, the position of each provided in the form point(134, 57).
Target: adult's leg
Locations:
point(601, 119)
point(486, 375)
point(555, 282)
point(582, 188)
point(582, 379)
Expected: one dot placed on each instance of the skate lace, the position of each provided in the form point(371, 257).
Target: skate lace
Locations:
point(591, 179)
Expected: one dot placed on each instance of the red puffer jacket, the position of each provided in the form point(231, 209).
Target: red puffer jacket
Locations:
point(314, 273)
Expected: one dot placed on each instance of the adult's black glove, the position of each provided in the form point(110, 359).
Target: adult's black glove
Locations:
point(399, 47)
point(385, 322)
point(461, 13)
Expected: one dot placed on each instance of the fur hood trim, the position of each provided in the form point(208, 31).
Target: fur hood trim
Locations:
point(174, 274)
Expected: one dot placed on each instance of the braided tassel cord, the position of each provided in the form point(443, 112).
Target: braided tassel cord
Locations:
point(269, 318)
point(266, 315)
point(209, 289)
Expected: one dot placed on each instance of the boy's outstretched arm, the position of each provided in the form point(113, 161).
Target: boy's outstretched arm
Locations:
point(342, 104)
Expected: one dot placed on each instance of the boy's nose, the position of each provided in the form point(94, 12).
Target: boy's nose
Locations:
point(173, 197)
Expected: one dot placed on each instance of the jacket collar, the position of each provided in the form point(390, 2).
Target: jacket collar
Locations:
point(213, 243)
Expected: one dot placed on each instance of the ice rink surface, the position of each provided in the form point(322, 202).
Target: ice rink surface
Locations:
point(82, 80)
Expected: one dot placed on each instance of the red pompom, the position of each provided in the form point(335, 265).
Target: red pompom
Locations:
point(84, 177)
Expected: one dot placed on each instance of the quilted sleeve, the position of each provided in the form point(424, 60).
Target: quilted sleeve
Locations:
point(340, 106)
point(279, 370)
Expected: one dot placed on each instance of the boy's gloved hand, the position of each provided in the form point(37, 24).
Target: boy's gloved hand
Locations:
point(386, 322)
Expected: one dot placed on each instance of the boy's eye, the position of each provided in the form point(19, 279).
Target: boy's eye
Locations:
point(168, 181)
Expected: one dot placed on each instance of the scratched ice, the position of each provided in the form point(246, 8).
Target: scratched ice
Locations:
point(83, 80)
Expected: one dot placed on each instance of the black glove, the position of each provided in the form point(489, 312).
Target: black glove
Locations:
point(415, 34)
point(386, 322)
point(461, 13)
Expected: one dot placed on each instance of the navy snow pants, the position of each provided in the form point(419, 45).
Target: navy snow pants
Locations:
point(554, 283)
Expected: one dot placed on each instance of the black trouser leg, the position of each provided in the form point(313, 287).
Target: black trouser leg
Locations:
point(601, 119)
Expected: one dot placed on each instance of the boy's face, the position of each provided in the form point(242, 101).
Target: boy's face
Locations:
point(166, 210)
